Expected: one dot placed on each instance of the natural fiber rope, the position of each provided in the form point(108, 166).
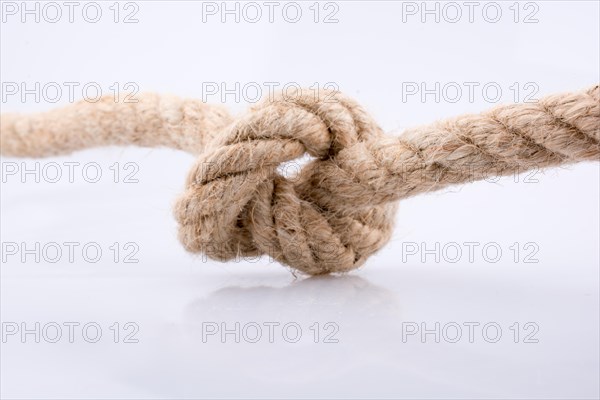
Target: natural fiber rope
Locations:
point(341, 207)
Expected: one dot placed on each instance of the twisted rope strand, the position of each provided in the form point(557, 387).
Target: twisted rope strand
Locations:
point(560, 129)
point(152, 121)
point(340, 208)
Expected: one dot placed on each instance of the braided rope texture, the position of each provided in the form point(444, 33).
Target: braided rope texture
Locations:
point(339, 209)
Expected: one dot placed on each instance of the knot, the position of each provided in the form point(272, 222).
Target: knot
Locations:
point(340, 208)
point(237, 204)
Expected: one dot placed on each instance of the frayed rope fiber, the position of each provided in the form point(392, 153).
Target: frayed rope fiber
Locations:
point(341, 206)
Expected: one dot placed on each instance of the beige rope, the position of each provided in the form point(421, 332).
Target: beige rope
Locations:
point(341, 207)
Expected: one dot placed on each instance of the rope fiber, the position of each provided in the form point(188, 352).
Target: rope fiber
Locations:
point(341, 206)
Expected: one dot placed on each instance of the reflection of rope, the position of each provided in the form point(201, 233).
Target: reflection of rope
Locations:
point(340, 208)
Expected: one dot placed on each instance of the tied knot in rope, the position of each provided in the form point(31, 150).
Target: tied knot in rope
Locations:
point(236, 202)
point(340, 207)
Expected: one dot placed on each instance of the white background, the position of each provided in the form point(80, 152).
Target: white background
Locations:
point(170, 295)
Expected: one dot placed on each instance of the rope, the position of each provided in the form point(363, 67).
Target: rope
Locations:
point(340, 208)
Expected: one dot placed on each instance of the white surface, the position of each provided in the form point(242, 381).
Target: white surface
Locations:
point(170, 294)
